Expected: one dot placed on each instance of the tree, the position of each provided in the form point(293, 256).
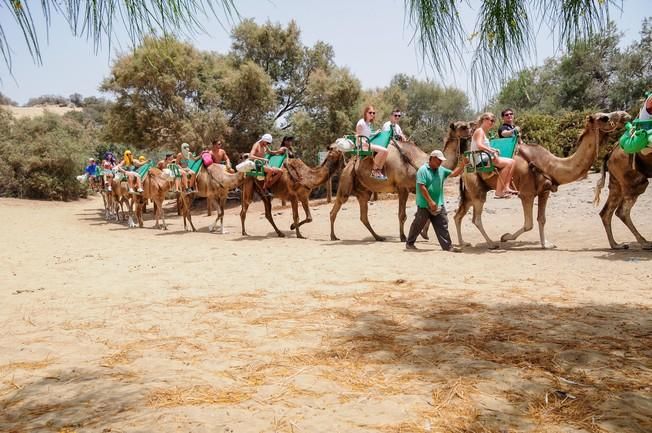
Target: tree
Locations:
point(280, 53)
point(5, 100)
point(165, 95)
point(502, 39)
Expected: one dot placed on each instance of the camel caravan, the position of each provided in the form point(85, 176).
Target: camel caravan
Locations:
point(386, 161)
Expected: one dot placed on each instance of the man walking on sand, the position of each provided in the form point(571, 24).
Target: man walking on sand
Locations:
point(430, 201)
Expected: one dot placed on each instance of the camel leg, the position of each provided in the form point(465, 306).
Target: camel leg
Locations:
point(527, 202)
point(462, 209)
point(162, 213)
point(363, 199)
point(306, 210)
point(295, 217)
point(344, 190)
point(614, 201)
point(245, 200)
point(478, 205)
point(402, 214)
point(221, 204)
point(624, 213)
point(541, 219)
point(268, 214)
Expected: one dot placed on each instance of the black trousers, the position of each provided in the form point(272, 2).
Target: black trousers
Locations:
point(439, 223)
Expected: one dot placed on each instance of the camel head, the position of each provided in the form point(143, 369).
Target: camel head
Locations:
point(460, 129)
point(334, 158)
point(607, 122)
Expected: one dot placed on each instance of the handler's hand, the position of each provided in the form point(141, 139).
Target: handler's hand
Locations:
point(432, 206)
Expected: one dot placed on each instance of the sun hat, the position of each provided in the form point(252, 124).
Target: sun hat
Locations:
point(438, 154)
point(267, 138)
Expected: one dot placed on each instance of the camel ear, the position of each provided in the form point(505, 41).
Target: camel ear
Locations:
point(452, 126)
point(590, 118)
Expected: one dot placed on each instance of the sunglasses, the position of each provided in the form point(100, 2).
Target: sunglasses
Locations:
point(396, 115)
point(509, 114)
point(371, 112)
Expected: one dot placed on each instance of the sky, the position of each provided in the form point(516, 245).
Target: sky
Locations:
point(372, 38)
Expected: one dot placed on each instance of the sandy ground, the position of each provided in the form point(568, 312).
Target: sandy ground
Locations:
point(109, 329)
point(20, 112)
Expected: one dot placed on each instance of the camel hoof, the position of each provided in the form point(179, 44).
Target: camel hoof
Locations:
point(292, 226)
point(334, 238)
point(620, 247)
point(548, 245)
point(493, 246)
point(507, 237)
point(301, 237)
point(403, 238)
point(426, 237)
point(646, 246)
point(380, 238)
point(280, 234)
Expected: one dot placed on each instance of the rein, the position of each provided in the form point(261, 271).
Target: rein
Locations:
point(404, 156)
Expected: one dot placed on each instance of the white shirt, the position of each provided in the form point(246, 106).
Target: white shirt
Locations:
point(397, 128)
point(644, 115)
point(363, 128)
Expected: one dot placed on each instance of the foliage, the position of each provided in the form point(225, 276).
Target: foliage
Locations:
point(5, 100)
point(58, 100)
point(40, 157)
point(595, 73)
point(504, 31)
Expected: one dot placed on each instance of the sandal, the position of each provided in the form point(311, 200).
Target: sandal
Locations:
point(504, 196)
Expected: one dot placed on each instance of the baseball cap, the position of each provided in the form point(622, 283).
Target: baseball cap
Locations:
point(267, 138)
point(439, 154)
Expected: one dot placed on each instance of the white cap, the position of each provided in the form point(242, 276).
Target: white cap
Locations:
point(185, 145)
point(439, 154)
point(267, 138)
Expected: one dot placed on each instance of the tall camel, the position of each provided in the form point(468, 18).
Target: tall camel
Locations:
point(537, 172)
point(155, 187)
point(214, 183)
point(628, 179)
point(401, 167)
point(294, 185)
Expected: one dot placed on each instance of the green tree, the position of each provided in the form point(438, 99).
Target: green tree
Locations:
point(163, 95)
point(280, 53)
point(5, 100)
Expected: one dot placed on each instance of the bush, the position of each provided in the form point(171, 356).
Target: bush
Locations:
point(41, 157)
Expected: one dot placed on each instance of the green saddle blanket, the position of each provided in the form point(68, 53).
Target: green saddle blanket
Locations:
point(506, 146)
point(195, 165)
point(144, 169)
point(382, 138)
point(276, 161)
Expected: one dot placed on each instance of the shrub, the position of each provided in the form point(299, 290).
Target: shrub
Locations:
point(41, 157)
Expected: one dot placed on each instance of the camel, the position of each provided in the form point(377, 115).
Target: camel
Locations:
point(401, 167)
point(537, 172)
point(294, 185)
point(628, 178)
point(155, 187)
point(119, 197)
point(214, 183)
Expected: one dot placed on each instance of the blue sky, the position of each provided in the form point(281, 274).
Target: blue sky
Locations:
point(372, 39)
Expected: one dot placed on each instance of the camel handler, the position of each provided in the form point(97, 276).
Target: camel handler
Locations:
point(430, 201)
point(258, 151)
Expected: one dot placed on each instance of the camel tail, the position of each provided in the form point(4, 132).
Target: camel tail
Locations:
point(601, 181)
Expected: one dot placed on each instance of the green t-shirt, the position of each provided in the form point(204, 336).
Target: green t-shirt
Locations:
point(434, 182)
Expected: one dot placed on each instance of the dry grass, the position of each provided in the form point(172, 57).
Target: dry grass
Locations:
point(26, 365)
point(195, 396)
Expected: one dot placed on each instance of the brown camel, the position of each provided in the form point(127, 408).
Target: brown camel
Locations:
point(214, 183)
point(537, 172)
point(155, 187)
point(628, 178)
point(119, 198)
point(401, 167)
point(294, 185)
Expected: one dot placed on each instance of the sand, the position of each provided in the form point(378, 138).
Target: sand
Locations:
point(110, 329)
